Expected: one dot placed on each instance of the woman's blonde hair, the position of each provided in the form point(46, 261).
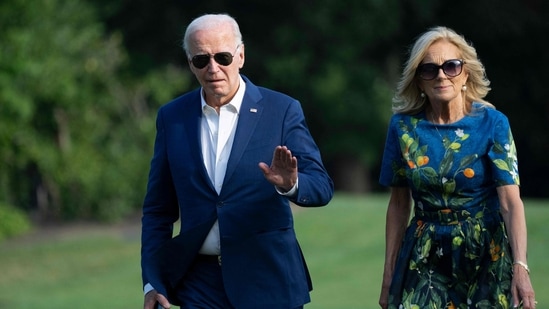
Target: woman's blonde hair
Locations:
point(408, 99)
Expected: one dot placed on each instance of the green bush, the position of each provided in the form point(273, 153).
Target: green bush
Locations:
point(13, 222)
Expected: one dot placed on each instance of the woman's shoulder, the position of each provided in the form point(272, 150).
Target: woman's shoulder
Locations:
point(406, 122)
point(407, 117)
point(487, 112)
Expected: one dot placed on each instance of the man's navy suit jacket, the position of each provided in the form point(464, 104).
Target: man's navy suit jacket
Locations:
point(263, 266)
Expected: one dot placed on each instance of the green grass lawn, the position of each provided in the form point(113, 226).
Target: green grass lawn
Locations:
point(98, 267)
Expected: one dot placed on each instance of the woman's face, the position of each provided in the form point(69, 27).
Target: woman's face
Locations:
point(443, 88)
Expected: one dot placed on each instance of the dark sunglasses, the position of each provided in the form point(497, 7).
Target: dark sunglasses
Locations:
point(429, 71)
point(224, 59)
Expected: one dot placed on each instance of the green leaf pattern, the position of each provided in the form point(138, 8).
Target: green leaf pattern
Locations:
point(423, 175)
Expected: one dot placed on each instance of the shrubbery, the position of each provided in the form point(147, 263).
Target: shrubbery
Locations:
point(13, 222)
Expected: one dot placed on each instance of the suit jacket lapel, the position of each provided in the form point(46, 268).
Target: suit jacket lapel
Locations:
point(192, 121)
point(250, 113)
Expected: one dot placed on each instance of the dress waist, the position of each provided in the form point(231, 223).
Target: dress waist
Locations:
point(451, 217)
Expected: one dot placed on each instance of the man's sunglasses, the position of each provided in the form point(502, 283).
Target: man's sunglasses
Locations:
point(429, 71)
point(224, 59)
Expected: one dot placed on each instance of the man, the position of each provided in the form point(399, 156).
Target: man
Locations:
point(209, 168)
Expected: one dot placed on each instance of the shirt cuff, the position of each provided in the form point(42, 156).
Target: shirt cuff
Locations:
point(292, 192)
point(148, 287)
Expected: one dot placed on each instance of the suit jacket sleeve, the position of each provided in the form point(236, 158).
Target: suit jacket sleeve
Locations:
point(315, 186)
point(160, 209)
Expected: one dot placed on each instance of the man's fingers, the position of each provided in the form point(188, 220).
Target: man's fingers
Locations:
point(264, 167)
point(162, 302)
point(282, 155)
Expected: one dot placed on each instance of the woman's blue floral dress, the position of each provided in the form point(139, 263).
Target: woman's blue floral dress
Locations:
point(455, 253)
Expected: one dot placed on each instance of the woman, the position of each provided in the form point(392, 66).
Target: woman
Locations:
point(452, 154)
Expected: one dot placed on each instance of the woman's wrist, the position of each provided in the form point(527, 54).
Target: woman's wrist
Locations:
point(523, 265)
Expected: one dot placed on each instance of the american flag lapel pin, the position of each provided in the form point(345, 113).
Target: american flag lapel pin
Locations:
point(253, 110)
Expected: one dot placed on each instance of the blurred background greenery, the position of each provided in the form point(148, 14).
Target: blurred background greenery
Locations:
point(81, 80)
point(97, 266)
point(80, 83)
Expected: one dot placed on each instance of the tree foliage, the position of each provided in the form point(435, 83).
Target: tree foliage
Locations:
point(75, 127)
point(331, 55)
point(80, 83)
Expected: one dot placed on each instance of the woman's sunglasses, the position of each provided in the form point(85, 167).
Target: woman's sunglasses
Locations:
point(429, 71)
point(224, 59)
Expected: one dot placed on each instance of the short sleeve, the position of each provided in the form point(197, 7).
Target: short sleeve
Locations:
point(392, 165)
point(503, 154)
